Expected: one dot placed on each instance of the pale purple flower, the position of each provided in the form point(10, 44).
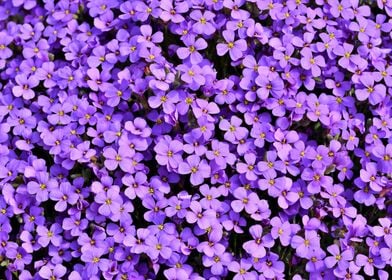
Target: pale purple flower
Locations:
point(198, 168)
point(24, 87)
point(256, 247)
point(236, 48)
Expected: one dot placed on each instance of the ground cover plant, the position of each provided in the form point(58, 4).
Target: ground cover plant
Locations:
point(195, 139)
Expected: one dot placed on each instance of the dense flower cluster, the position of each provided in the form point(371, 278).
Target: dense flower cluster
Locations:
point(195, 139)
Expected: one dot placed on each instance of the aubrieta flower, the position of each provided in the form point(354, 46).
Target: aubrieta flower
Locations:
point(341, 259)
point(196, 167)
point(193, 45)
point(235, 48)
point(5, 41)
point(24, 87)
point(245, 201)
point(256, 247)
point(242, 270)
point(168, 152)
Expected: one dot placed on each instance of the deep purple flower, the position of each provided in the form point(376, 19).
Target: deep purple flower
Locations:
point(204, 139)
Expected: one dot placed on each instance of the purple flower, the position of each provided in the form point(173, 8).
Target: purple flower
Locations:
point(75, 224)
point(5, 41)
point(348, 60)
point(24, 87)
point(159, 247)
point(274, 87)
point(234, 132)
point(168, 152)
point(42, 186)
point(148, 38)
point(64, 195)
point(282, 190)
point(22, 121)
point(137, 185)
point(82, 152)
point(384, 156)
point(256, 247)
point(115, 159)
point(51, 235)
point(369, 175)
point(308, 62)
point(220, 154)
point(212, 246)
point(245, 200)
point(36, 49)
point(174, 274)
point(386, 251)
point(316, 263)
point(193, 45)
point(98, 80)
point(248, 168)
point(203, 22)
point(385, 229)
point(198, 168)
point(242, 270)
point(204, 219)
point(341, 8)
point(316, 179)
point(172, 12)
point(305, 245)
point(94, 261)
point(368, 263)
point(341, 259)
point(137, 242)
point(375, 93)
point(56, 273)
point(218, 262)
point(236, 49)
point(204, 139)
point(280, 230)
point(192, 75)
point(109, 201)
